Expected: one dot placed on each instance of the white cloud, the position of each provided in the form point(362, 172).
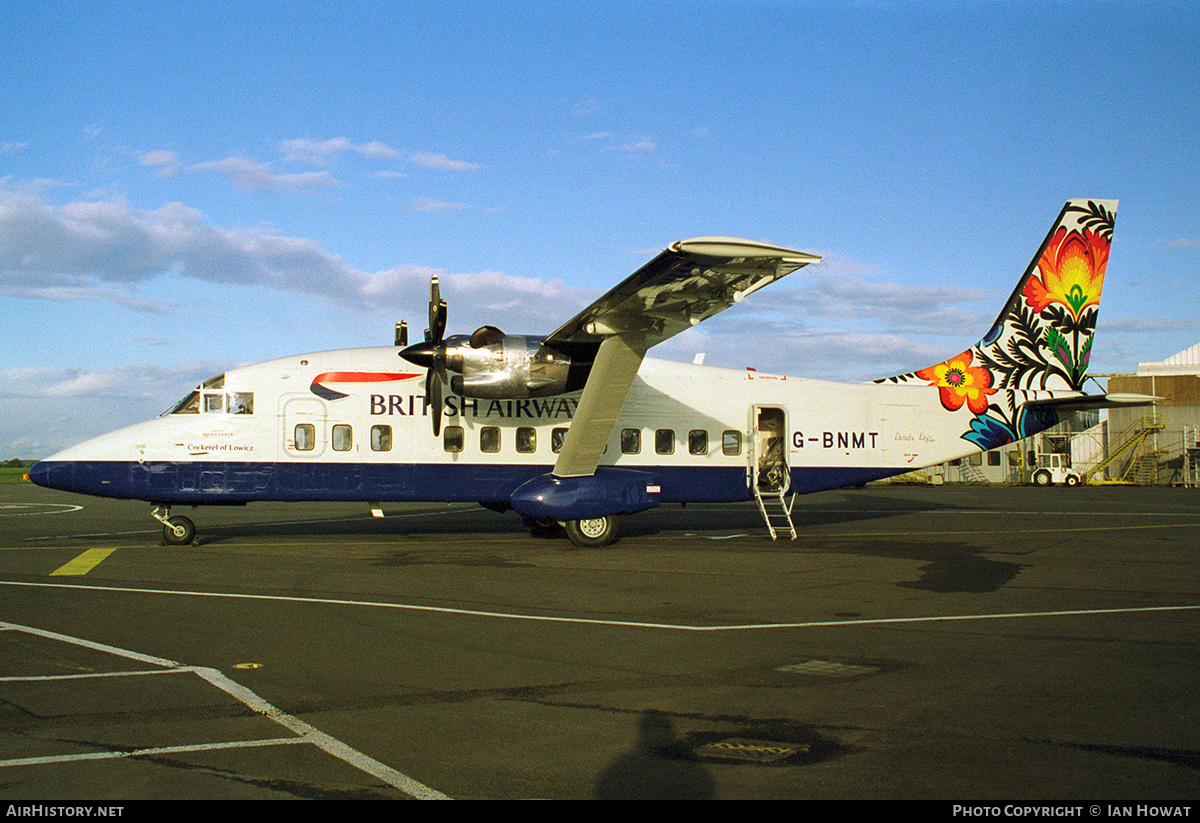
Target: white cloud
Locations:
point(641, 146)
point(108, 250)
point(374, 148)
point(251, 176)
point(315, 152)
point(428, 205)
point(320, 152)
point(429, 160)
point(160, 157)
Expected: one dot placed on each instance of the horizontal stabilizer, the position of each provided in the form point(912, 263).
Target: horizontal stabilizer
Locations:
point(1088, 402)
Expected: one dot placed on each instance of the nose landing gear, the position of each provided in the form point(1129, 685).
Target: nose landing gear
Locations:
point(178, 530)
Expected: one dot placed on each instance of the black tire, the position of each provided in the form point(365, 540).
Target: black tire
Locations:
point(544, 529)
point(596, 531)
point(179, 531)
point(1072, 480)
point(1042, 478)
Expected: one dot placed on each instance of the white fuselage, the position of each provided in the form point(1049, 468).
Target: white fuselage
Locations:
point(354, 425)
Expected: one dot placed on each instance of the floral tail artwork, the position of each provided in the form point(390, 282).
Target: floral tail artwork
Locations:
point(1040, 345)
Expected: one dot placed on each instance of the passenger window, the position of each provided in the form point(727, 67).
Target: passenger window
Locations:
point(214, 403)
point(526, 439)
point(631, 441)
point(489, 439)
point(381, 438)
point(731, 442)
point(452, 439)
point(343, 438)
point(664, 441)
point(241, 402)
point(557, 436)
point(305, 437)
point(698, 442)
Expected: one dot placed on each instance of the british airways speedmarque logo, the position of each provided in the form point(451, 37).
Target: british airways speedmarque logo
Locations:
point(320, 390)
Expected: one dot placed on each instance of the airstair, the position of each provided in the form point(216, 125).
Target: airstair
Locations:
point(776, 511)
point(1135, 444)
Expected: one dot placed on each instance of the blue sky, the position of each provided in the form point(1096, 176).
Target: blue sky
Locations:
point(188, 187)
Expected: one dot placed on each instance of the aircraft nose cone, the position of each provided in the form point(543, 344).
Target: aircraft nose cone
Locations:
point(420, 355)
point(39, 473)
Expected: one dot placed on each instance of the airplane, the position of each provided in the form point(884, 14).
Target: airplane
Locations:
point(577, 428)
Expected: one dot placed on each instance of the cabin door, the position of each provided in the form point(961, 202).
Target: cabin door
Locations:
point(768, 449)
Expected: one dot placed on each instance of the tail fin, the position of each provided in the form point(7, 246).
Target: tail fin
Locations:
point(1041, 343)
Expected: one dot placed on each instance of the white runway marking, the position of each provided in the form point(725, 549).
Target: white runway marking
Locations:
point(305, 733)
point(539, 618)
point(22, 509)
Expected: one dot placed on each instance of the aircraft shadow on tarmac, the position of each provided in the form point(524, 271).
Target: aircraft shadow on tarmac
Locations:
point(715, 520)
point(949, 565)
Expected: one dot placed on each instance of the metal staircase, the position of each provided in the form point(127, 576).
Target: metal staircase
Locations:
point(776, 511)
point(1142, 467)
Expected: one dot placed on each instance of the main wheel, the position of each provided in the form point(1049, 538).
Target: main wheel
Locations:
point(179, 531)
point(1042, 478)
point(545, 529)
point(597, 531)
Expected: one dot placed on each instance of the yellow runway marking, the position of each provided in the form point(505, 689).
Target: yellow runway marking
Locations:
point(84, 563)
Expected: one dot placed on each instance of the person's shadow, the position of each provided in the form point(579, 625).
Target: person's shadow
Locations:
point(653, 769)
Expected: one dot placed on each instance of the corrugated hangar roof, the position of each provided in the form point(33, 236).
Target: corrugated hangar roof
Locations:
point(1186, 362)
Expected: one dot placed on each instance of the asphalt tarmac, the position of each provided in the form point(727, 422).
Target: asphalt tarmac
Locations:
point(955, 643)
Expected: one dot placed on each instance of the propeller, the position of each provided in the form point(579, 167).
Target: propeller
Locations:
point(431, 354)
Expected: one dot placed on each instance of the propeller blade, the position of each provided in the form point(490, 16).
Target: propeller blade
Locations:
point(435, 401)
point(402, 333)
point(439, 322)
point(431, 355)
point(437, 313)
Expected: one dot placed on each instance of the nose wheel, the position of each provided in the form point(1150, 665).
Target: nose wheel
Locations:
point(177, 530)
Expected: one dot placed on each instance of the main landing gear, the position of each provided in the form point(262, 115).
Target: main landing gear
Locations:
point(178, 530)
point(598, 531)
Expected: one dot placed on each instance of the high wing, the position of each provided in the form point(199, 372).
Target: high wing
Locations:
point(688, 282)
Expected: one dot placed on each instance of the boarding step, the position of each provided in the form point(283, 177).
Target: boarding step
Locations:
point(776, 512)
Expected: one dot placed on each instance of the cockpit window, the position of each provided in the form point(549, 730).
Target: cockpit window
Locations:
point(205, 399)
point(241, 402)
point(188, 405)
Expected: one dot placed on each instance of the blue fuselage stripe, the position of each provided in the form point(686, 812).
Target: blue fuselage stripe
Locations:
point(240, 482)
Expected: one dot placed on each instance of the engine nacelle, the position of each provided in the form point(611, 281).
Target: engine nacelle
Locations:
point(508, 367)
